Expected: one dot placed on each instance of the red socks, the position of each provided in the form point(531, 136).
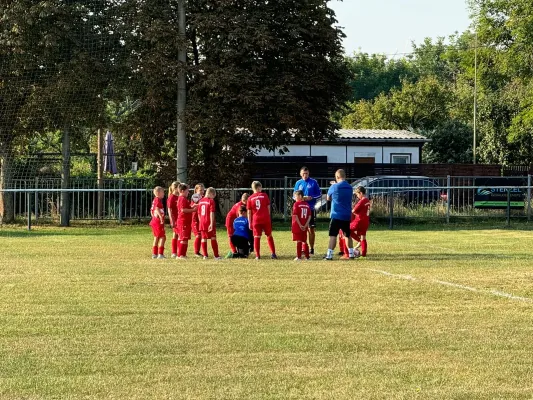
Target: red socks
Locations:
point(232, 247)
point(305, 248)
point(197, 243)
point(204, 248)
point(174, 246)
point(342, 245)
point(270, 241)
point(257, 246)
point(364, 247)
point(299, 249)
point(214, 245)
point(161, 250)
point(154, 250)
point(182, 249)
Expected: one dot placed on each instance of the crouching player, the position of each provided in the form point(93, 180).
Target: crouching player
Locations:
point(206, 215)
point(158, 223)
point(241, 239)
point(258, 206)
point(185, 211)
point(233, 214)
point(361, 222)
point(301, 217)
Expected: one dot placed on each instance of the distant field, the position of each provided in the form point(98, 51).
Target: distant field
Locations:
point(85, 313)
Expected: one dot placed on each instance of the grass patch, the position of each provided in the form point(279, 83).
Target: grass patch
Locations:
point(85, 313)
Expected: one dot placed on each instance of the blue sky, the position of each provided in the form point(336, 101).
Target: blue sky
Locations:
point(389, 26)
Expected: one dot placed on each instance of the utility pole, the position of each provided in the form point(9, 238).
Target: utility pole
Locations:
point(475, 100)
point(181, 137)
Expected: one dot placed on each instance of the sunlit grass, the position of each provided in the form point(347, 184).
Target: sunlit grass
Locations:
point(86, 313)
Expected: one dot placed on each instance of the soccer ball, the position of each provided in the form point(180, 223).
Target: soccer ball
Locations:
point(196, 198)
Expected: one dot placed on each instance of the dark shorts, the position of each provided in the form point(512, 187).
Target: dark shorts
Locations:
point(312, 222)
point(336, 224)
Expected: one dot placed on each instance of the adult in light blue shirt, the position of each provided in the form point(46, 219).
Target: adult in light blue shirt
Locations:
point(312, 193)
point(340, 194)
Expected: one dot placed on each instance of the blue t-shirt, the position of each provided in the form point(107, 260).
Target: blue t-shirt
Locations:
point(341, 201)
point(310, 188)
point(240, 225)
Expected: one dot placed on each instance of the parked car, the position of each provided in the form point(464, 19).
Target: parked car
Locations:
point(412, 189)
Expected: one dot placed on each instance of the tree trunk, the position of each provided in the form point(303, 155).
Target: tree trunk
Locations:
point(65, 179)
point(7, 206)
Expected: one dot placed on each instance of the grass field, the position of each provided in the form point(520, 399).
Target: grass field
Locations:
point(85, 313)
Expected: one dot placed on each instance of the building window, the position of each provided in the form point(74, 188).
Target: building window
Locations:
point(400, 158)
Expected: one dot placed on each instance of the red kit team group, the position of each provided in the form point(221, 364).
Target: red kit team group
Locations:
point(245, 223)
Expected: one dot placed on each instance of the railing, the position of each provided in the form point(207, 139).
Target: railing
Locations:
point(403, 198)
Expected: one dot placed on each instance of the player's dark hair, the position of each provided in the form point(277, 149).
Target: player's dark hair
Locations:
point(299, 193)
point(304, 168)
point(242, 208)
point(360, 189)
point(183, 187)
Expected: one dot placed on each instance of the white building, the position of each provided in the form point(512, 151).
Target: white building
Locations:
point(362, 146)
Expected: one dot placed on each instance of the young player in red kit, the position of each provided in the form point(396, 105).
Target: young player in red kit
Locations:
point(207, 226)
point(198, 194)
point(301, 217)
point(232, 216)
point(158, 223)
point(185, 211)
point(172, 207)
point(361, 222)
point(258, 206)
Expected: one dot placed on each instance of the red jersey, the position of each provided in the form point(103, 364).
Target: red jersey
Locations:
point(258, 204)
point(362, 210)
point(184, 218)
point(302, 211)
point(172, 206)
point(232, 215)
point(206, 206)
point(157, 204)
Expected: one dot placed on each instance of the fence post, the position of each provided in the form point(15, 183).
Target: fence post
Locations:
point(120, 200)
point(36, 198)
point(391, 210)
point(285, 199)
point(28, 206)
point(508, 207)
point(528, 198)
point(448, 192)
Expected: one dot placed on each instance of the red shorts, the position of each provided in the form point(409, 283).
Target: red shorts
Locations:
point(299, 236)
point(230, 230)
point(158, 229)
point(360, 227)
point(185, 232)
point(209, 234)
point(259, 228)
point(195, 228)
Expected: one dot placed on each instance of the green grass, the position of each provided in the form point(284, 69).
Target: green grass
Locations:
point(85, 313)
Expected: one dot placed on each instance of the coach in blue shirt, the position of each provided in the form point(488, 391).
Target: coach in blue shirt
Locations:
point(312, 193)
point(340, 194)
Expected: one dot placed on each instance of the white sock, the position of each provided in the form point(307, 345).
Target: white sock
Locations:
point(350, 251)
point(330, 253)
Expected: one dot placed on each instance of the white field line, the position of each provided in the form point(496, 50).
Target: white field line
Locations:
point(455, 285)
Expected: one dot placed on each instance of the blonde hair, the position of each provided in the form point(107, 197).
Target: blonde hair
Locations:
point(211, 190)
point(198, 187)
point(173, 187)
point(158, 189)
point(245, 196)
point(256, 185)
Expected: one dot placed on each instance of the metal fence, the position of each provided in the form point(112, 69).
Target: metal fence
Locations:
point(399, 198)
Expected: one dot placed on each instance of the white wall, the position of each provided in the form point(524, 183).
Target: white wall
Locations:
point(346, 154)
